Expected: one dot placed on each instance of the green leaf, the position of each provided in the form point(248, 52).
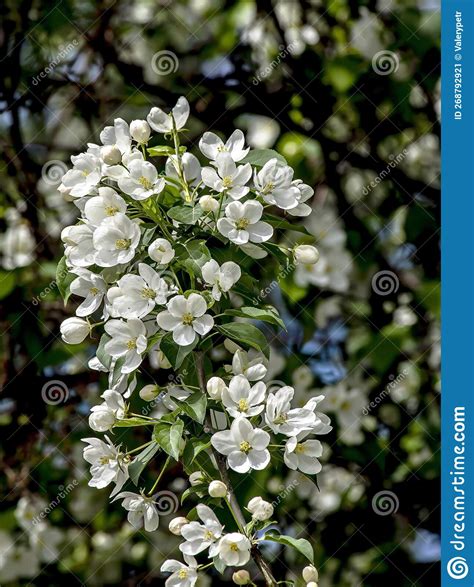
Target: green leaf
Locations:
point(282, 224)
point(136, 467)
point(130, 422)
point(268, 314)
point(299, 544)
point(64, 279)
point(175, 353)
point(170, 438)
point(7, 283)
point(192, 450)
point(195, 406)
point(193, 255)
point(247, 334)
point(259, 157)
point(186, 214)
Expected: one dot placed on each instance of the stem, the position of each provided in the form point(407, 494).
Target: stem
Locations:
point(232, 502)
point(179, 169)
point(155, 484)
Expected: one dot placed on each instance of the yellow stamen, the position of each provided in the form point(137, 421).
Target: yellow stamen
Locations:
point(242, 223)
point(122, 243)
point(245, 446)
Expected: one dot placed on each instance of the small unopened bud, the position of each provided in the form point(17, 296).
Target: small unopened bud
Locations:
point(310, 574)
point(260, 509)
point(305, 255)
point(209, 204)
point(312, 584)
point(176, 524)
point(111, 154)
point(196, 478)
point(215, 386)
point(74, 330)
point(149, 392)
point(241, 577)
point(217, 489)
point(140, 131)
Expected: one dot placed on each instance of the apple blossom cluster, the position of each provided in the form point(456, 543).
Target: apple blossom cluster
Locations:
point(162, 263)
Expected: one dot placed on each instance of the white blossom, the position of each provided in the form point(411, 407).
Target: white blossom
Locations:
point(221, 278)
point(116, 239)
point(260, 509)
point(273, 183)
point(91, 287)
point(78, 245)
point(242, 223)
point(83, 178)
point(186, 318)
point(162, 122)
point(107, 203)
point(234, 549)
point(135, 296)
point(107, 464)
point(211, 145)
point(305, 255)
point(161, 251)
point(282, 418)
point(104, 416)
point(74, 330)
point(250, 364)
point(240, 399)
point(140, 131)
point(142, 510)
point(190, 165)
point(228, 177)
point(128, 340)
point(18, 246)
point(303, 455)
point(198, 537)
point(244, 446)
point(215, 387)
point(217, 489)
point(117, 135)
point(183, 575)
point(142, 180)
point(305, 193)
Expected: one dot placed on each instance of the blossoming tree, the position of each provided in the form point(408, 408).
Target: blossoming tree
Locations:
point(164, 263)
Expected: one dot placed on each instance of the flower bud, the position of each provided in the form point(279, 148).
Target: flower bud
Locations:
point(215, 386)
point(305, 255)
point(312, 584)
point(260, 509)
point(176, 524)
point(196, 478)
point(241, 577)
point(111, 154)
point(140, 131)
point(74, 330)
point(310, 574)
point(102, 419)
point(149, 392)
point(209, 204)
point(217, 489)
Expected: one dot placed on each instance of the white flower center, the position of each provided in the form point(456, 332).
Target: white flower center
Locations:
point(234, 547)
point(208, 535)
point(146, 183)
point(268, 187)
point(299, 449)
point(132, 344)
point(187, 319)
point(245, 446)
point(148, 293)
point(222, 149)
point(94, 291)
point(243, 405)
point(242, 223)
point(111, 210)
point(123, 243)
point(183, 573)
point(227, 181)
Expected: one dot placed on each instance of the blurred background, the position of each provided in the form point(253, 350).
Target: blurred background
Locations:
point(348, 92)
